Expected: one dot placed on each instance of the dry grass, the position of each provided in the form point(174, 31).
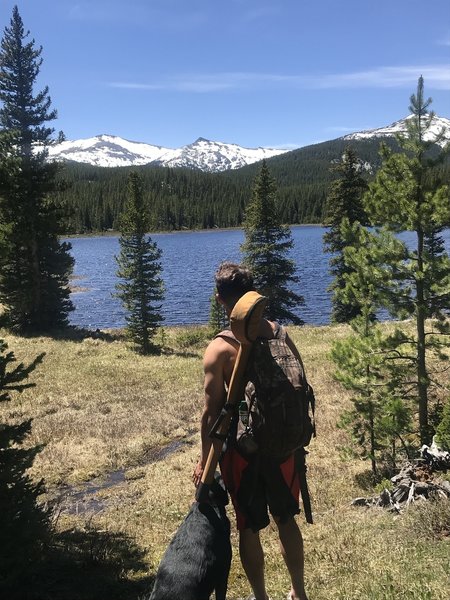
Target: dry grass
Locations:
point(98, 407)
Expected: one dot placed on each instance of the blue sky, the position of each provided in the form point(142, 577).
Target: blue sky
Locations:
point(278, 73)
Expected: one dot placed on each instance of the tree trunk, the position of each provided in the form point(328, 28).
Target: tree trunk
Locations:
point(372, 438)
point(422, 375)
point(37, 314)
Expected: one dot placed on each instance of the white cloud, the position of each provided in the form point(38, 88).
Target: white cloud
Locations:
point(436, 77)
point(197, 85)
point(206, 83)
point(383, 77)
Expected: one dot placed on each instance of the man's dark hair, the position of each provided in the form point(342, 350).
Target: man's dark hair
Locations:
point(233, 281)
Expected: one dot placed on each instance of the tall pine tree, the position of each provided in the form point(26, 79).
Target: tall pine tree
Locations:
point(406, 197)
point(365, 361)
point(344, 201)
point(141, 289)
point(266, 247)
point(34, 265)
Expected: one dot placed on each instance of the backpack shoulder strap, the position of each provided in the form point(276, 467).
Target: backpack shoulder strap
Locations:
point(226, 334)
point(279, 332)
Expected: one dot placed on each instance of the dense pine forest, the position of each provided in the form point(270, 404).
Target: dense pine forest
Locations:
point(189, 199)
point(184, 198)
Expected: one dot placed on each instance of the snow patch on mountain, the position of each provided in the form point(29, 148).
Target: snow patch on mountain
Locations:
point(113, 151)
point(106, 151)
point(215, 156)
point(398, 127)
point(203, 154)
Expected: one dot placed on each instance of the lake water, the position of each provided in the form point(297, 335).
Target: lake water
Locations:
point(189, 260)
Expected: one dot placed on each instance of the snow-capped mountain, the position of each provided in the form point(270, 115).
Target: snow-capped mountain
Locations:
point(112, 151)
point(438, 124)
point(107, 151)
point(215, 156)
point(206, 155)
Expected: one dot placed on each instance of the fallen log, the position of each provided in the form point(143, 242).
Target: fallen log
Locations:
point(418, 480)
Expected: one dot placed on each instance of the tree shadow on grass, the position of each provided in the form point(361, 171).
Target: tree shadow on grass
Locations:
point(180, 353)
point(86, 564)
point(74, 334)
point(367, 480)
point(78, 334)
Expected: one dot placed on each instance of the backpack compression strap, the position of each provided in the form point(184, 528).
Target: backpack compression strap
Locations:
point(301, 468)
point(281, 334)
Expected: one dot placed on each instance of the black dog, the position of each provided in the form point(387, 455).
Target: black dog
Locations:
point(197, 561)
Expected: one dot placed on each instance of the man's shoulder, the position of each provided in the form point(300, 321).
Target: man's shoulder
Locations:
point(221, 347)
point(223, 341)
point(227, 335)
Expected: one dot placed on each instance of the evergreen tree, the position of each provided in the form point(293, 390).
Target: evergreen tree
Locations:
point(344, 200)
point(218, 320)
point(443, 429)
point(267, 243)
point(404, 196)
point(379, 418)
point(24, 524)
point(141, 289)
point(34, 265)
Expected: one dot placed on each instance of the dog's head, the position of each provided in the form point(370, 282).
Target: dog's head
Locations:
point(214, 508)
point(218, 494)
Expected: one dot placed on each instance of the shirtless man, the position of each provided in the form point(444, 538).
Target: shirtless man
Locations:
point(254, 486)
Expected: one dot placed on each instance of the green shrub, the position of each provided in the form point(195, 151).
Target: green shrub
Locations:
point(192, 337)
point(385, 484)
point(443, 429)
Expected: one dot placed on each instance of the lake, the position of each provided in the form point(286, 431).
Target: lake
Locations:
point(189, 260)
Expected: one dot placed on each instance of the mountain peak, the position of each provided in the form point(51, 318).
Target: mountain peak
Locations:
point(112, 151)
point(398, 127)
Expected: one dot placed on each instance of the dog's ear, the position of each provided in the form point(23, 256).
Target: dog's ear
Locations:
point(218, 493)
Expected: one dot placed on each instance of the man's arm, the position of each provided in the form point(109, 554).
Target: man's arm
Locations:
point(213, 365)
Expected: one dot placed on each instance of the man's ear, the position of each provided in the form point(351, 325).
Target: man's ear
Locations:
point(219, 299)
point(226, 306)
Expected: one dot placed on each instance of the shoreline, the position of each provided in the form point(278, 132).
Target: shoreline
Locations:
point(205, 325)
point(115, 233)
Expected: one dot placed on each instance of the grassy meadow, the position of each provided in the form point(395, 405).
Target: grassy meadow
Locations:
point(99, 408)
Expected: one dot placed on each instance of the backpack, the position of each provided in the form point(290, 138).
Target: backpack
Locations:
point(276, 418)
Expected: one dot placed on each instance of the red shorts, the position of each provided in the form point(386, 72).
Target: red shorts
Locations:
point(258, 485)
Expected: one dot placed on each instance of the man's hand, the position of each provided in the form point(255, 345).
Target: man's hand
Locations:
point(197, 474)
